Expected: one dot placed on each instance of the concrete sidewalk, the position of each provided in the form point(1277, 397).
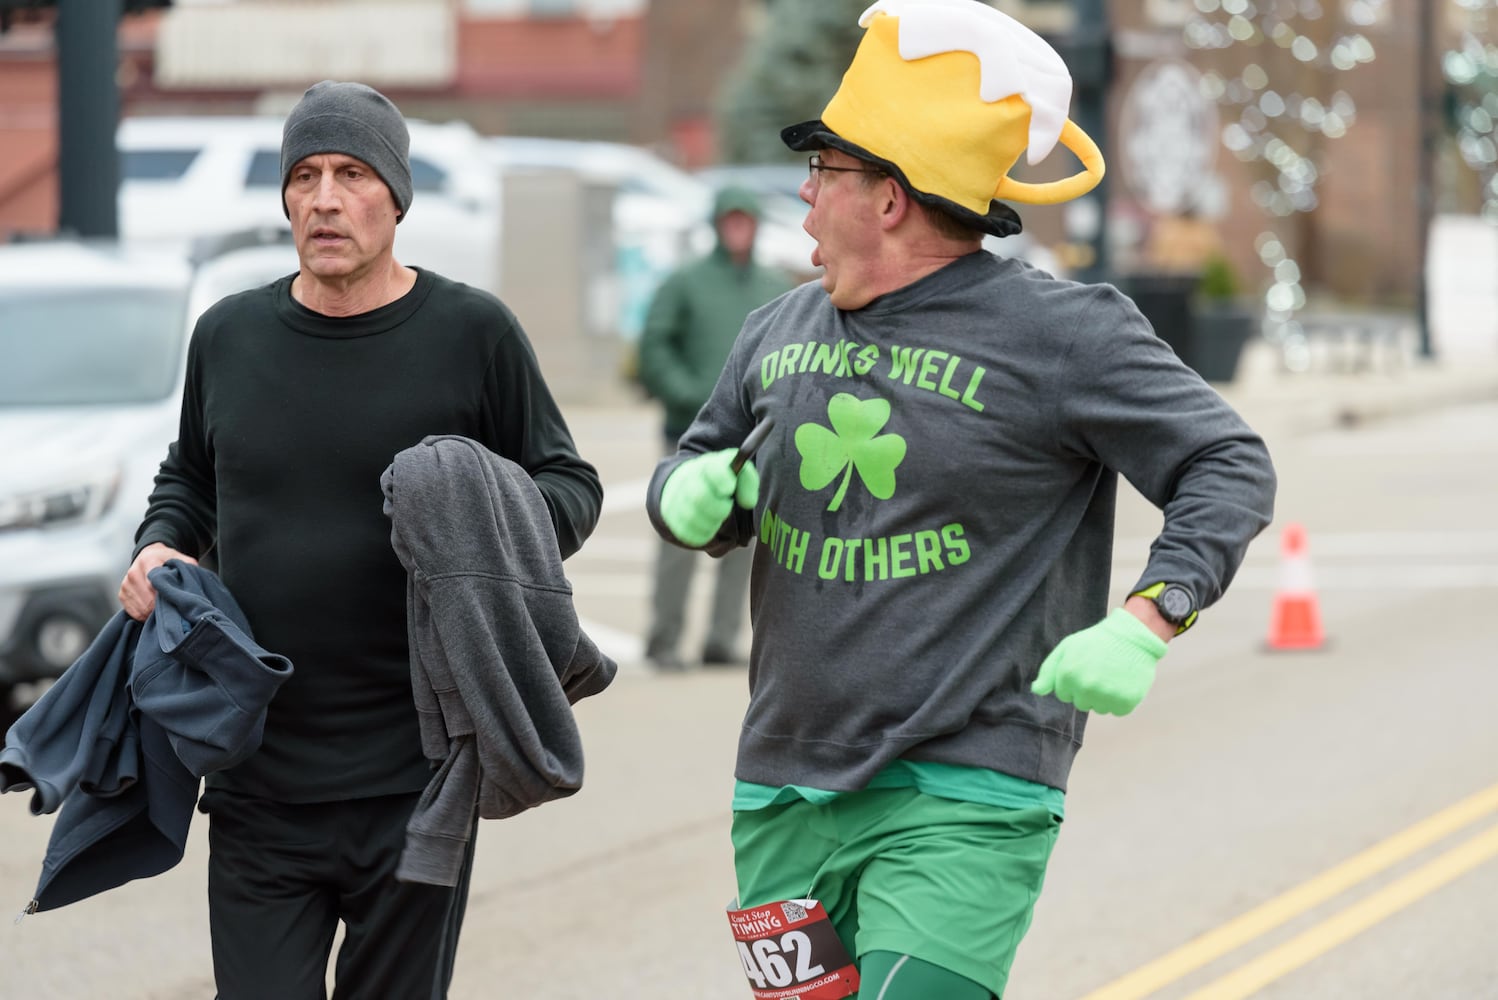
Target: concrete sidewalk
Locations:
point(1276, 402)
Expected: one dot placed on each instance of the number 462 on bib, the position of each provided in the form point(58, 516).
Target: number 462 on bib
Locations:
point(790, 951)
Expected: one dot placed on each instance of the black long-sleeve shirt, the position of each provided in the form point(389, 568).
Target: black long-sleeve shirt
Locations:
point(289, 418)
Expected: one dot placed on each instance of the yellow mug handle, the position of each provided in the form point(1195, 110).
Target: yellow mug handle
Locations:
point(1052, 192)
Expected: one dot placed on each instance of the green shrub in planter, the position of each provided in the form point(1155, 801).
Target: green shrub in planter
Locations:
point(1222, 322)
point(1218, 282)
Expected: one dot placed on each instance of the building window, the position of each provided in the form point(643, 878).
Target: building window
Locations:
point(553, 8)
point(1169, 13)
point(1048, 17)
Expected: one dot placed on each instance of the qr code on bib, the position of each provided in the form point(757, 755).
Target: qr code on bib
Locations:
point(793, 911)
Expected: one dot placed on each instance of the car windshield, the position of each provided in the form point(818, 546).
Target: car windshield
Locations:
point(104, 346)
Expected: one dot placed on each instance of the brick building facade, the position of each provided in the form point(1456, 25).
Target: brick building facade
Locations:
point(648, 72)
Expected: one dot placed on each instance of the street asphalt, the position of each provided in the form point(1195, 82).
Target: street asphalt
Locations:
point(618, 892)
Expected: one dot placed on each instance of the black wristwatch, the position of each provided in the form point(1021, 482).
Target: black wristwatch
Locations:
point(1175, 603)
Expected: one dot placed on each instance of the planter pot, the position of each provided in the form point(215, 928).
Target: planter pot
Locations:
point(1207, 336)
point(1166, 301)
point(1219, 332)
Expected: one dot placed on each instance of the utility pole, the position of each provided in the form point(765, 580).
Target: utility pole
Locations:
point(1088, 52)
point(1428, 110)
point(88, 111)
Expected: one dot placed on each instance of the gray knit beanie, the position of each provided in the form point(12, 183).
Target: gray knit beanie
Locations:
point(357, 121)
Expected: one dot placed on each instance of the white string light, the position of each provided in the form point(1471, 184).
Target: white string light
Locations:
point(1266, 120)
point(1471, 71)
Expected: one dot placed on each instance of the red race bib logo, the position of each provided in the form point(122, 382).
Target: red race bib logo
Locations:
point(790, 951)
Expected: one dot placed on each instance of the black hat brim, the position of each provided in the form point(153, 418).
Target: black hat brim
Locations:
point(1001, 220)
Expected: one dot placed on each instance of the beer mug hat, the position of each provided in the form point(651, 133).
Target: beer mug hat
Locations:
point(946, 95)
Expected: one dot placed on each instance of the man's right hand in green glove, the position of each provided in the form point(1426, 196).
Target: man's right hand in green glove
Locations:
point(699, 495)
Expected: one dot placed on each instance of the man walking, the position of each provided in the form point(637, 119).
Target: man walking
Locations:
point(689, 330)
point(299, 395)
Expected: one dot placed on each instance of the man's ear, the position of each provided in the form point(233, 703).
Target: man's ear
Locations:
point(895, 205)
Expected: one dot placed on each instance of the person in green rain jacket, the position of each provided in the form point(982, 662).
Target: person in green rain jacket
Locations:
point(690, 328)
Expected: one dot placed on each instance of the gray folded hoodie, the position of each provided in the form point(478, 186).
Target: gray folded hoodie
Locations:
point(497, 655)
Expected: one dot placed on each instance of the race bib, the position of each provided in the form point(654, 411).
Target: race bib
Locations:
point(790, 950)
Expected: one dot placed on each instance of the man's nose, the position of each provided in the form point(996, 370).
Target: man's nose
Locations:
point(808, 190)
point(325, 195)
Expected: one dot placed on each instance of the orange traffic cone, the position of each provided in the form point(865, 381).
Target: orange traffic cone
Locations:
point(1295, 622)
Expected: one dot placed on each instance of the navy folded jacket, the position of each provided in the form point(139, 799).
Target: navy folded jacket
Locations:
point(122, 738)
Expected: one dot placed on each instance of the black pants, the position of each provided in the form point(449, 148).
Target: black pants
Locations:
point(281, 877)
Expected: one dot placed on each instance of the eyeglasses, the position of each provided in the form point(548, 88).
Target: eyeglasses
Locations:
point(814, 163)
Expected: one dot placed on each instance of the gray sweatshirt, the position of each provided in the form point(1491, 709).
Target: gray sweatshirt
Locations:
point(936, 511)
point(497, 654)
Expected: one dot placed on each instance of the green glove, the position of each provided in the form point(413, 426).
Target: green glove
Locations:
point(1107, 668)
point(698, 496)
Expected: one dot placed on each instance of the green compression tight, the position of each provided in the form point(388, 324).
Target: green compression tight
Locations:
point(886, 975)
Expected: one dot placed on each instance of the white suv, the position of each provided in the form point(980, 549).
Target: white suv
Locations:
point(183, 177)
point(94, 340)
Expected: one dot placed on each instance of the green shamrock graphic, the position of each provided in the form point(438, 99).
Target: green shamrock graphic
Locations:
point(851, 444)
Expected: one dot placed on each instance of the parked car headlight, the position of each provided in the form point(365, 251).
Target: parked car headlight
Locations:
point(75, 500)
